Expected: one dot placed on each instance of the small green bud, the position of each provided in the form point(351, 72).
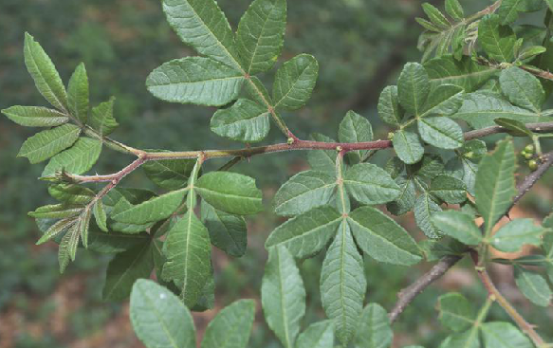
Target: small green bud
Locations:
point(533, 164)
point(290, 141)
point(529, 148)
point(391, 136)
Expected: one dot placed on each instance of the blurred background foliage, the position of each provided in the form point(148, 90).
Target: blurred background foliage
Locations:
point(361, 46)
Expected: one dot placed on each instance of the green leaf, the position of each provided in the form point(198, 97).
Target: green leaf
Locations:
point(169, 174)
point(306, 234)
point(459, 226)
point(389, 109)
point(57, 228)
point(244, 121)
point(495, 184)
point(505, 335)
point(408, 146)
point(260, 35)
point(68, 246)
point(155, 209)
point(522, 88)
point(78, 95)
point(464, 73)
point(159, 318)
point(317, 335)
point(425, 208)
point(481, 109)
point(114, 242)
point(444, 100)
point(76, 160)
point(515, 128)
point(35, 116)
point(496, 40)
point(71, 193)
point(413, 87)
point(44, 73)
point(534, 286)
point(230, 192)
point(100, 215)
point(456, 312)
point(382, 238)
point(48, 143)
point(435, 15)
point(517, 233)
point(449, 189)
point(467, 339)
point(56, 211)
point(441, 132)
point(454, 9)
point(202, 25)
point(256, 91)
point(188, 254)
point(283, 295)
point(369, 184)
point(294, 82)
point(509, 9)
point(374, 328)
point(196, 80)
point(226, 231)
point(343, 284)
point(124, 269)
point(354, 128)
point(303, 192)
point(322, 160)
point(102, 118)
point(406, 200)
point(231, 327)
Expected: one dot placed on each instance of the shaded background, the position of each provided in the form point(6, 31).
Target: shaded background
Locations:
point(361, 46)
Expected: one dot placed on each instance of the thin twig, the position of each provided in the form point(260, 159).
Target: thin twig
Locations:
point(503, 302)
point(407, 295)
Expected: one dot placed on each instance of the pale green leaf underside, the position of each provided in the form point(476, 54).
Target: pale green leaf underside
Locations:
point(231, 327)
point(534, 286)
point(374, 328)
point(159, 318)
point(456, 312)
point(318, 335)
